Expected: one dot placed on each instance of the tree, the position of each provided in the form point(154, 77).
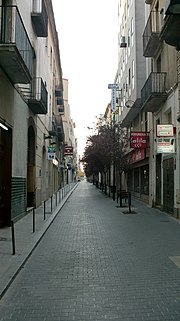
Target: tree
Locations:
point(104, 148)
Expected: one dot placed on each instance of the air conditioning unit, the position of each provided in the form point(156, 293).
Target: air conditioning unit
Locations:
point(123, 43)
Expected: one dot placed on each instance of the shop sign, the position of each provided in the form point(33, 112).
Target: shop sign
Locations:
point(68, 150)
point(165, 145)
point(51, 153)
point(137, 156)
point(113, 99)
point(165, 130)
point(113, 86)
point(138, 140)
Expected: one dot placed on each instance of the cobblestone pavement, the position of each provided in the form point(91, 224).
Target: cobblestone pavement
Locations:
point(96, 263)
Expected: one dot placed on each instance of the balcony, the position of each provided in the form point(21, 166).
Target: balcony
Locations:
point(58, 92)
point(170, 31)
point(60, 105)
point(57, 127)
point(153, 94)
point(40, 18)
point(151, 41)
point(38, 97)
point(16, 52)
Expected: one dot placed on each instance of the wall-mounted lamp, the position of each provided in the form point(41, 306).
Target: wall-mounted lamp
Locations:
point(132, 104)
point(3, 124)
point(173, 8)
point(47, 137)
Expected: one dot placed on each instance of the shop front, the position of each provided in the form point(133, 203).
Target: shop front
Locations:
point(138, 174)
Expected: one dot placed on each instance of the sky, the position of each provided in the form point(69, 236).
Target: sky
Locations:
point(88, 41)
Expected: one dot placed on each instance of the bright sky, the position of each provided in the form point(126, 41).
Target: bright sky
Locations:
point(88, 39)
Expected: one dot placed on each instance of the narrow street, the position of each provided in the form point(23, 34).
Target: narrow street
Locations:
point(97, 263)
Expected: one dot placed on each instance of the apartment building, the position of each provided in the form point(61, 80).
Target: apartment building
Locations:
point(160, 98)
point(31, 131)
point(131, 76)
point(148, 74)
point(70, 142)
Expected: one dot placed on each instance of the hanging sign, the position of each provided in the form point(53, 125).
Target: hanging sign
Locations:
point(165, 145)
point(138, 140)
point(68, 150)
point(165, 130)
point(51, 153)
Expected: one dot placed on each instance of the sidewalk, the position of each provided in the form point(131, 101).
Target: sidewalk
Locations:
point(25, 239)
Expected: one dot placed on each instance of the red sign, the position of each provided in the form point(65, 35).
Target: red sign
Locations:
point(137, 156)
point(68, 150)
point(138, 140)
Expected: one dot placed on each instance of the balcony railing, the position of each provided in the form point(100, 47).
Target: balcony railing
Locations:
point(151, 41)
point(38, 98)
point(58, 88)
point(40, 18)
point(170, 31)
point(57, 127)
point(153, 94)
point(16, 52)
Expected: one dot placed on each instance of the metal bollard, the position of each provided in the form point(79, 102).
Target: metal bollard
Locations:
point(33, 220)
point(56, 198)
point(13, 238)
point(44, 210)
point(129, 202)
point(51, 203)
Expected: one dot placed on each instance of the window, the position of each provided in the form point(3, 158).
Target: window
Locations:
point(133, 74)
point(129, 42)
point(158, 63)
point(129, 81)
point(132, 32)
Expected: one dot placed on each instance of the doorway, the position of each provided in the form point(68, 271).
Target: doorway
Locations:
point(168, 185)
point(5, 176)
point(31, 168)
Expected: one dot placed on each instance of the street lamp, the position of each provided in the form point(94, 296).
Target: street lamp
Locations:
point(173, 8)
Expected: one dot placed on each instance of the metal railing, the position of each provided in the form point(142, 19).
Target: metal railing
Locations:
point(155, 85)
point(152, 30)
point(39, 91)
point(13, 32)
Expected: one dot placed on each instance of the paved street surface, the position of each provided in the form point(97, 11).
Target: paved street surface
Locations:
point(97, 263)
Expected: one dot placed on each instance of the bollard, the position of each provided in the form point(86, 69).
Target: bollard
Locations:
point(13, 238)
point(44, 210)
point(51, 203)
point(56, 198)
point(129, 202)
point(33, 220)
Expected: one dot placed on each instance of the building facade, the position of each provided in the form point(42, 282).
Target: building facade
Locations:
point(131, 76)
point(30, 94)
point(70, 142)
point(148, 77)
